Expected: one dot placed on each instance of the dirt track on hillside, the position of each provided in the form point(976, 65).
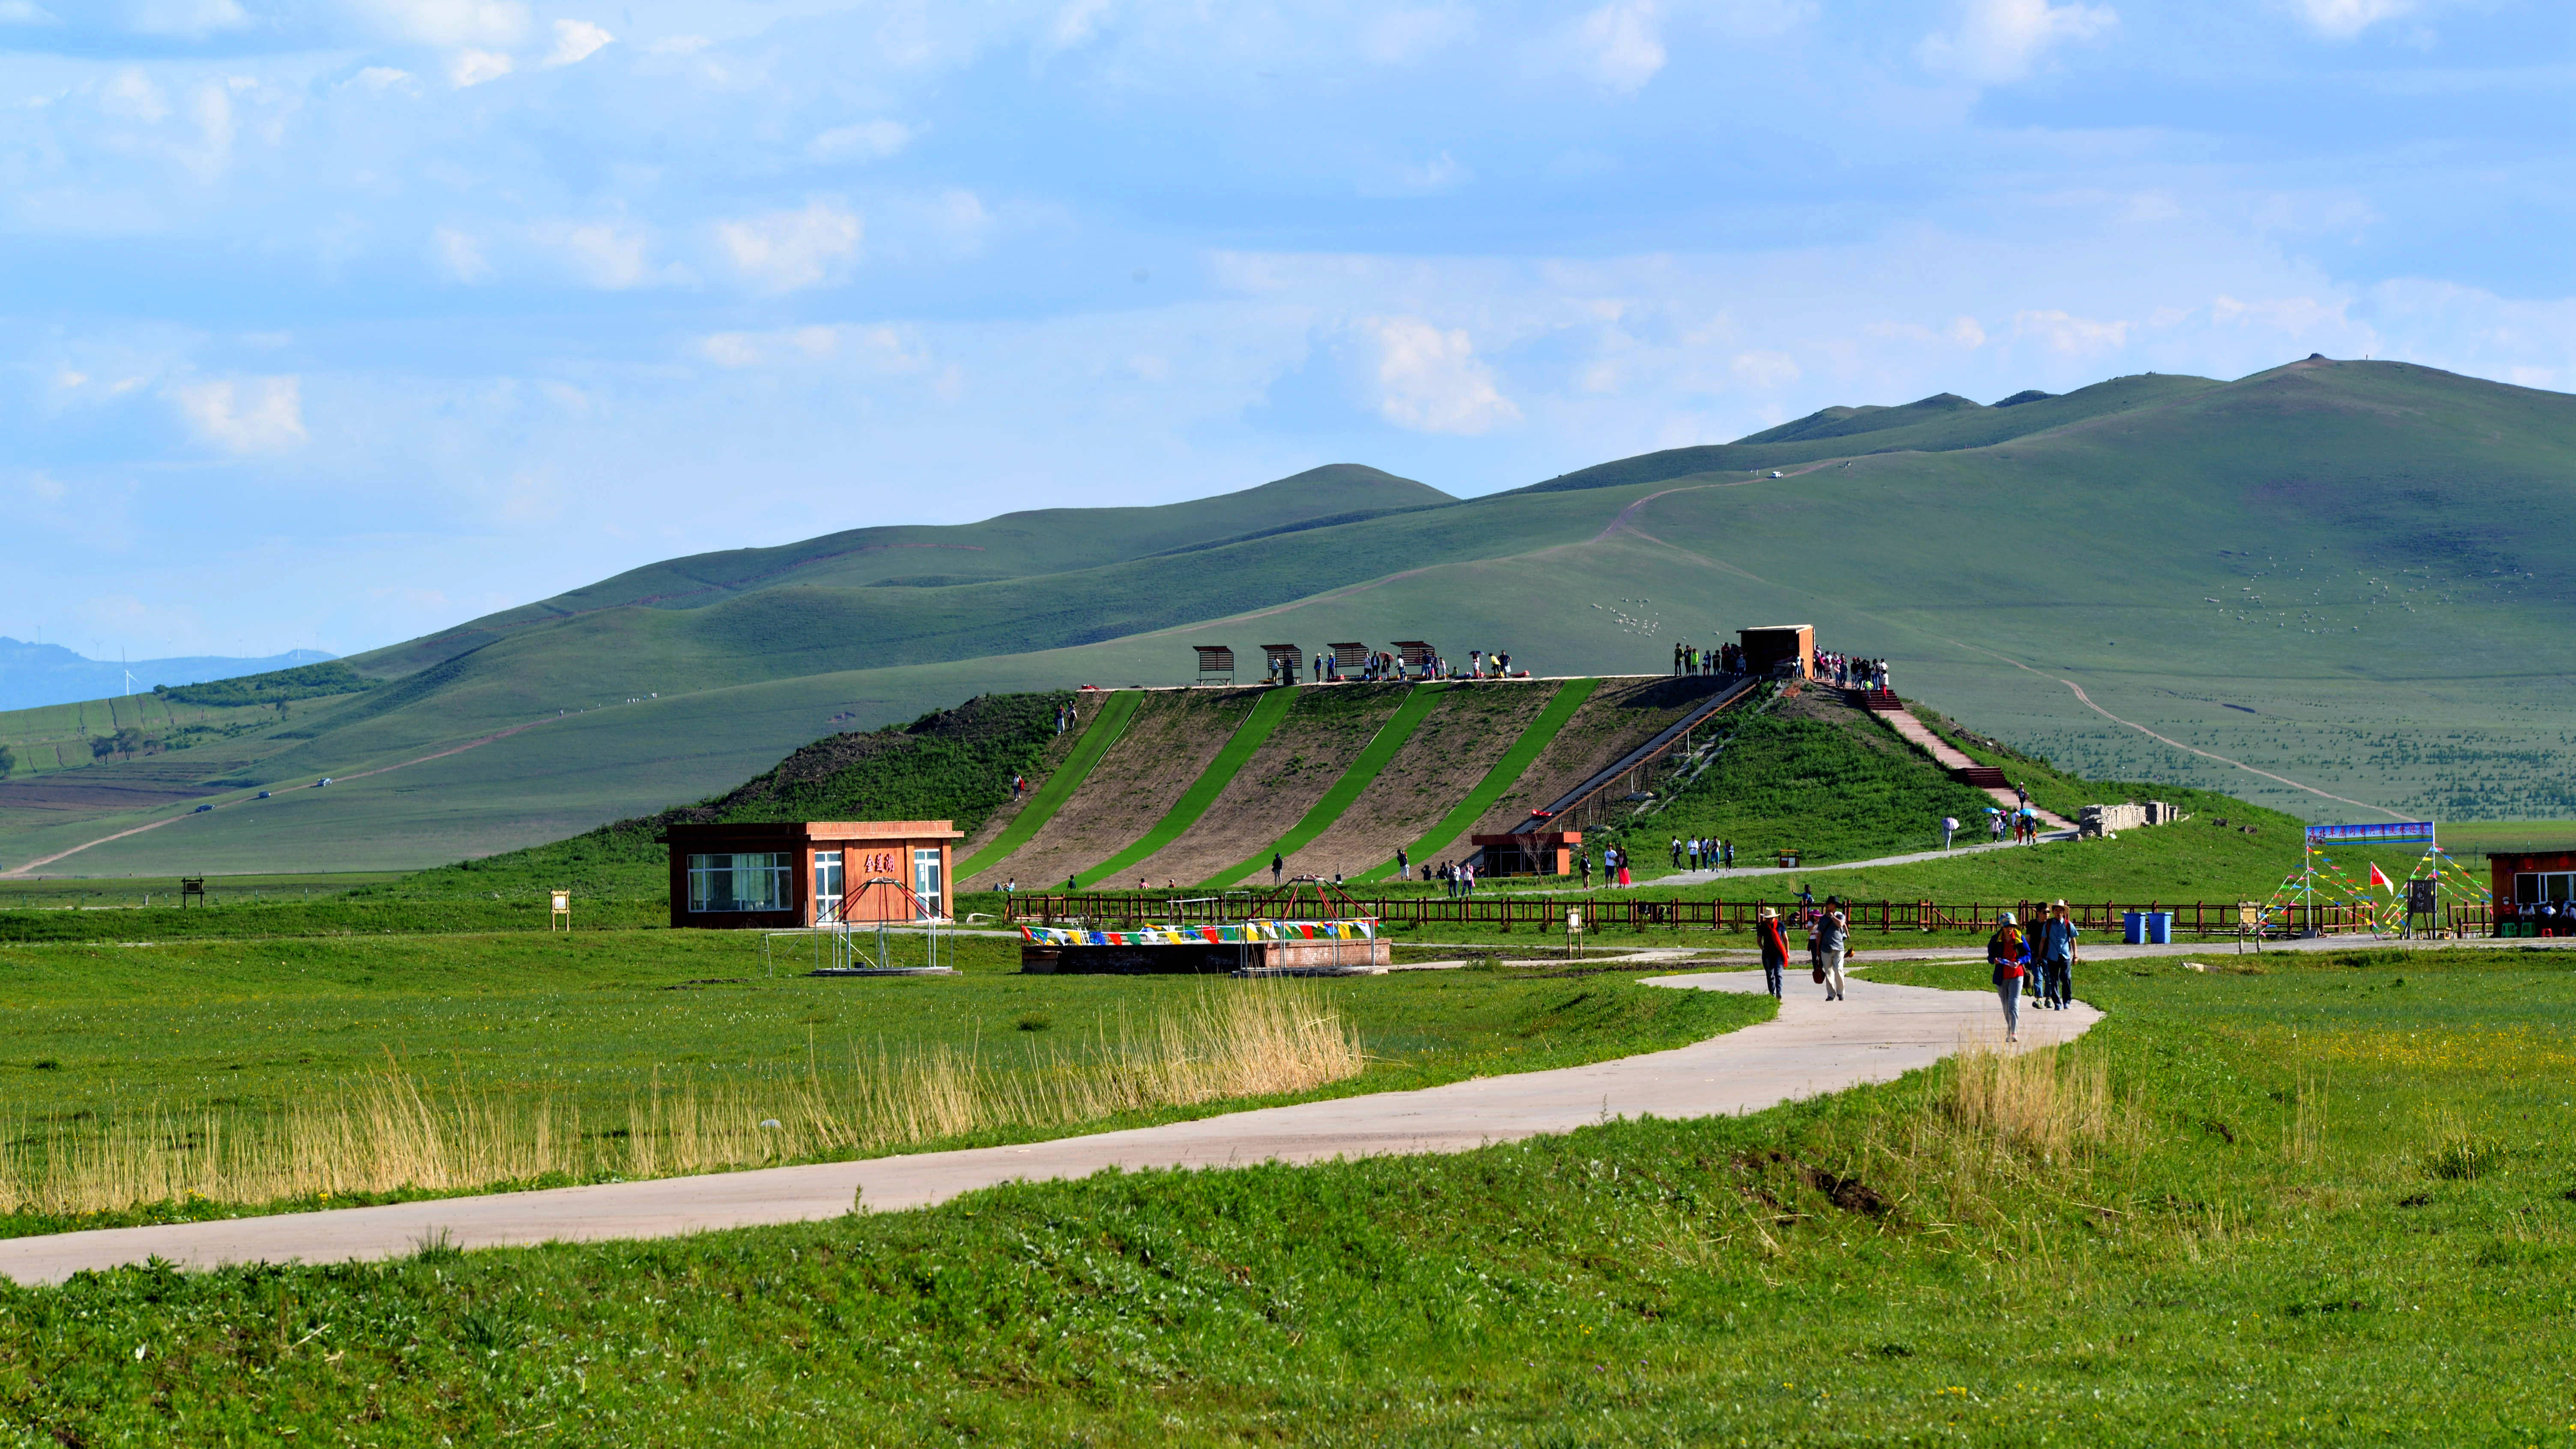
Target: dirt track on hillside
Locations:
point(1175, 734)
point(1456, 744)
point(1323, 733)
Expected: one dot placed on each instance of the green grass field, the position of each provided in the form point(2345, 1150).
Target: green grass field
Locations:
point(2313, 1205)
point(229, 1038)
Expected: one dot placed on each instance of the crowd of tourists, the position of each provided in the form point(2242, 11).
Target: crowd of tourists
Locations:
point(1692, 659)
point(1698, 853)
point(1844, 672)
point(1388, 666)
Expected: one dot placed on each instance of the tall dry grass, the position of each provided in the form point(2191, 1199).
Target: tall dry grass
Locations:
point(1994, 1130)
point(394, 1130)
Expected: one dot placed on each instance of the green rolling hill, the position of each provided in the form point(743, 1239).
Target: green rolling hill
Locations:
point(2342, 574)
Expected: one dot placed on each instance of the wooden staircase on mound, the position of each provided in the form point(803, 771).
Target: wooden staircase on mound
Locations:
point(1884, 701)
point(1984, 777)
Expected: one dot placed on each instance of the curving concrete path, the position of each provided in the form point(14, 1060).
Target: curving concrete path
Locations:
point(1879, 1033)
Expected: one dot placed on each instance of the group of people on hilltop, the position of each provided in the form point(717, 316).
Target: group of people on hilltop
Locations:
point(1383, 665)
point(1692, 659)
point(1844, 672)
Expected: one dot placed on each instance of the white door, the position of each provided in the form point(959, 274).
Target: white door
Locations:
point(925, 882)
point(827, 887)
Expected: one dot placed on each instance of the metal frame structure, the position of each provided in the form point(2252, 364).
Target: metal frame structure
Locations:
point(848, 955)
point(1289, 659)
point(1216, 663)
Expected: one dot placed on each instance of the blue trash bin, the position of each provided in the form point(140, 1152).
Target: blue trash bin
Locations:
point(2133, 927)
point(2160, 928)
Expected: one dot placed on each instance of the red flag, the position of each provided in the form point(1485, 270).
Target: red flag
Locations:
point(2380, 878)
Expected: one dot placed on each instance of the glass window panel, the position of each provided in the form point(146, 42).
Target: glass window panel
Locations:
point(752, 881)
point(2526, 889)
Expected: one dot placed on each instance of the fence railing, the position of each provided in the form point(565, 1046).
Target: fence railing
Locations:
point(1547, 913)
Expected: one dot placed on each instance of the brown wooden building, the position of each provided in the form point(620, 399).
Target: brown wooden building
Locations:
point(2526, 878)
point(809, 873)
point(1772, 645)
point(1541, 852)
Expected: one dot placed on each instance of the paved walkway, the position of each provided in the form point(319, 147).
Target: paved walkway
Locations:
point(1747, 872)
point(1949, 758)
point(1813, 1047)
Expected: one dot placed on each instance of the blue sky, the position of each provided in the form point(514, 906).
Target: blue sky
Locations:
point(330, 322)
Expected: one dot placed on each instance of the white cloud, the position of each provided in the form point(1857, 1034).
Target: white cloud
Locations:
point(451, 22)
point(2072, 335)
point(191, 19)
point(1432, 381)
point(1766, 369)
point(211, 107)
point(1399, 36)
point(474, 67)
point(458, 254)
point(2344, 19)
point(1618, 44)
point(25, 12)
point(577, 41)
point(130, 94)
point(1966, 332)
point(610, 255)
point(2001, 40)
point(864, 141)
point(878, 349)
point(382, 78)
point(245, 415)
point(678, 45)
point(785, 251)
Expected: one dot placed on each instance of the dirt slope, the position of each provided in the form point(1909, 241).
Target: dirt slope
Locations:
point(1087, 707)
point(1454, 747)
point(1175, 734)
point(1323, 733)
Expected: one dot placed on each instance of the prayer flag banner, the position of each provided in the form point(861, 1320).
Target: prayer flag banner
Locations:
point(1235, 933)
point(2395, 832)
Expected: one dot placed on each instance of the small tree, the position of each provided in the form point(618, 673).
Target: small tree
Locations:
point(8, 761)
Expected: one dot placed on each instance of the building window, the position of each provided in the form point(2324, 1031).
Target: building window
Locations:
point(2530, 888)
point(753, 882)
point(925, 881)
point(827, 887)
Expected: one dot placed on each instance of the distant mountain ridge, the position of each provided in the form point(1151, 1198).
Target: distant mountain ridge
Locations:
point(32, 675)
point(2307, 569)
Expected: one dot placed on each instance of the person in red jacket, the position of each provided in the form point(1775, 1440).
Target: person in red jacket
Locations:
point(1775, 949)
point(2009, 955)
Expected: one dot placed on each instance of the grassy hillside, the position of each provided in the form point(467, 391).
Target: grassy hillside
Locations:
point(2298, 570)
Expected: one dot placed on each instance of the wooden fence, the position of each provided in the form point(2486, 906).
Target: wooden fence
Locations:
point(1547, 913)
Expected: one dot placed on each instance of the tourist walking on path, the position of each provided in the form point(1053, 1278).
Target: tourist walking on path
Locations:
point(1403, 864)
point(1277, 865)
point(1677, 852)
point(1834, 944)
point(2056, 958)
point(1726, 855)
point(1624, 881)
point(1775, 950)
point(1584, 859)
point(2005, 952)
point(1949, 828)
